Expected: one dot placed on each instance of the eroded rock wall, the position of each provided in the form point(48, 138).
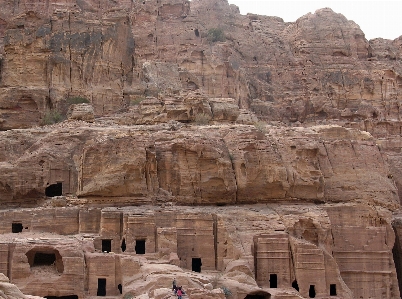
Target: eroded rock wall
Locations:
point(318, 68)
point(197, 165)
point(284, 250)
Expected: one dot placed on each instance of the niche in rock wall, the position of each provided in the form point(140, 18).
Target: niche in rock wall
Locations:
point(16, 227)
point(311, 291)
point(196, 264)
point(332, 289)
point(123, 245)
point(60, 175)
point(54, 190)
point(295, 285)
point(273, 281)
point(62, 297)
point(106, 245)
point(101, 287)
point(45, 258)
point(258, 295)
point(140, 246)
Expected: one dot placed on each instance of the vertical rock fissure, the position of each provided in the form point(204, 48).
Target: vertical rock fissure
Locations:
point(329, 160)
point(397, 254)
point(1, 69)
point(231, 158)
point(215, 228)
point(69, 51)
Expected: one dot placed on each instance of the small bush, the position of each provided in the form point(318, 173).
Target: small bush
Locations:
point(128, 296)
point(52, 117)
point(202, 119)
point(261, 126)
point(226, 291)
point(216, 35)
point(77, 100)
point(137, 101)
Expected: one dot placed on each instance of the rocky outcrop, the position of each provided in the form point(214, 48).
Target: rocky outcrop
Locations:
point(319, 68)
point(245, 156)
point(196, 164)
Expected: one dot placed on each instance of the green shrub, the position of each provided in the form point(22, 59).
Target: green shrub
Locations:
point(226, 291)
point(261, 126)
point(137, 101)
point(202, 119)
point(216, 35)
point(51, 117)
point(128, 296)
point(77, 100)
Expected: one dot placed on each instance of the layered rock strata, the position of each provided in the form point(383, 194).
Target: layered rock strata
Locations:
point(194, 165)
point(319, 68)
point(245, 156)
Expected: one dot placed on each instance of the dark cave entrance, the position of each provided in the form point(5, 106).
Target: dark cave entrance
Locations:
point(120, 288)
point(295, 285)
point(311, 291)
point(106, 245)
point(258, 295)
point(123, 245)
point(101, 287)
point(54, 190)
point(44, 259)
point(273, 281)
point(332, 289)
point(62, 297)
point(140, 246)
point(196, 264)
point(16, 227)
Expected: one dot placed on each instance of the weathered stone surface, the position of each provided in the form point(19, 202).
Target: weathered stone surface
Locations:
point(239, 248)
point(83, 112)
point(268, 160)
point(319, 67)
point(197, 165)
point(8, 290)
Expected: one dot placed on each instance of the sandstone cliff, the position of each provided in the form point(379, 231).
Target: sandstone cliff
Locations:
point(245, 156)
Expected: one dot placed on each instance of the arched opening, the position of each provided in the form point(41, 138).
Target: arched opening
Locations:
point(101, 287)
point(120, 288)
point(54, 190)
point(106, 245)
point(332, 289)
point(258, 295)
point(140, 246)
point(46, 258)
point(273, 281)
point(295, 285)
point(16, 227)
point(196, 264)
point(311, 291)
point(123, 245)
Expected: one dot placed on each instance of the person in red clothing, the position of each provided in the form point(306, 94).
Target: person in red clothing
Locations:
point(179, 293)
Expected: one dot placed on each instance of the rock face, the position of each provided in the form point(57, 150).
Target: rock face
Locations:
point(319, 68)
point(287, 246)
point(195, 165)
point(244, 156)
